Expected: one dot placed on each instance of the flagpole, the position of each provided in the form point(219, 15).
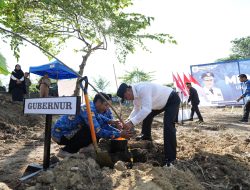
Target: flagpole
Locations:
point(182, 108)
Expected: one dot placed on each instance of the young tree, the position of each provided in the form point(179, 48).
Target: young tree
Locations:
point(101, 83)
point(50, 23)
point(136, 76)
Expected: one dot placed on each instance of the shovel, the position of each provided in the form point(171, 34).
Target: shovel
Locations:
point(102, 157)
point(120, 119)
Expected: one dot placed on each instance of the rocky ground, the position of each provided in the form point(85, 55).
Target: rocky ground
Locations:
point(212, 155)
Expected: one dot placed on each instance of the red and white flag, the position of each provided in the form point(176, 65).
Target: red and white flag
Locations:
point(198, 87)
point(181, 82)
point(179, 85)
point(185, 78)
point(193, 80)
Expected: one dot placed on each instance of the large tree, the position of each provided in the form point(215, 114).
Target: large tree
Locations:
point(240, 49)
point(50, 23)
point(3, 65)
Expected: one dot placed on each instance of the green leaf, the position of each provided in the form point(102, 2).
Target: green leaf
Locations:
point(3, 65)
point(2, 4)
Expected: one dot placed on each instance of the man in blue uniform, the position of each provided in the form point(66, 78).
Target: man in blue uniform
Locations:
point(74, 131)
point(108, 114)
point(246, 95)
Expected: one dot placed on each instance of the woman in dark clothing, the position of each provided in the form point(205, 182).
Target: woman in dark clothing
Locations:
point(17, 84)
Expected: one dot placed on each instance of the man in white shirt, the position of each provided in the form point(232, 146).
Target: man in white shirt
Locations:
point(149, 100)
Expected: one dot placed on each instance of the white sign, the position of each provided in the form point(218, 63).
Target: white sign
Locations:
point(54, 106)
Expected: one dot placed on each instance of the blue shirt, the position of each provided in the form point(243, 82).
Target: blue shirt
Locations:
point(247, 86)
point(108, 114)
point(68, 126)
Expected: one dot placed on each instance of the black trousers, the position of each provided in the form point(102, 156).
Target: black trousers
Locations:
point(170, 112)
point(17, 94)
point(195, 109)
point(176, 118)
point(81, 139)
point(246, 110)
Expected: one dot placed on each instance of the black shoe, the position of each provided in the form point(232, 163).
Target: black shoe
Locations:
point(243, 120)
point(191, 119)
point(143, 137)
point(200, 121)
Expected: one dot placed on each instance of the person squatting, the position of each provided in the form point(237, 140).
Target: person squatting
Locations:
point(74, 132)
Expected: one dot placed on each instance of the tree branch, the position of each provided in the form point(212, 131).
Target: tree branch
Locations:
point(98, 47)
point(23, 38)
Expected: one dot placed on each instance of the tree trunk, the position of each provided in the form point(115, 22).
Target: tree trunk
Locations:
point(82, 66)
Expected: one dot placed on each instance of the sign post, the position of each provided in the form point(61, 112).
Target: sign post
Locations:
point(47, 141)
point(69, 105)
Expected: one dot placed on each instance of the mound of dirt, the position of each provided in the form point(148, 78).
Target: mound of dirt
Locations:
point(14, 124)
point(85, 173)
point(73, 173)
point(20, 135)
point(3, 186)
point(214, 155)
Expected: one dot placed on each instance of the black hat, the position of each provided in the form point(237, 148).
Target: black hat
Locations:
point(121, 90)
point(110, 96)
point(242, 76)
point(207, 76)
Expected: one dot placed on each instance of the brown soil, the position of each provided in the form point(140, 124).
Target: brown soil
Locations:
point(212, 155)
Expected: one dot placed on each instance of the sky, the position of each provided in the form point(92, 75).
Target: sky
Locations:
point(203, 30)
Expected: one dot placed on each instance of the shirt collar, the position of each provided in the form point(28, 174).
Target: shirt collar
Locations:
point(134, 92)
point(92, 107)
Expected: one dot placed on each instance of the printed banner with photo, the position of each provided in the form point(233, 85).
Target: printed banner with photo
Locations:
point(219, 82)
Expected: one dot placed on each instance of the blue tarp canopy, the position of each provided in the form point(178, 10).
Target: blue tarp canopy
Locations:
point(55, 70)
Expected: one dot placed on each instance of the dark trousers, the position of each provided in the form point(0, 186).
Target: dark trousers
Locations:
point(176, 118)
point(17, 94)
point(170, 111)
point(195, 109)
point(246, 110)
point(81, 139)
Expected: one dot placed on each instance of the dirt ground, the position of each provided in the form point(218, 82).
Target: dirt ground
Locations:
point(212, 155)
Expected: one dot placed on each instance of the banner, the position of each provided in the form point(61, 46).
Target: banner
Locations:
point(219, 82)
